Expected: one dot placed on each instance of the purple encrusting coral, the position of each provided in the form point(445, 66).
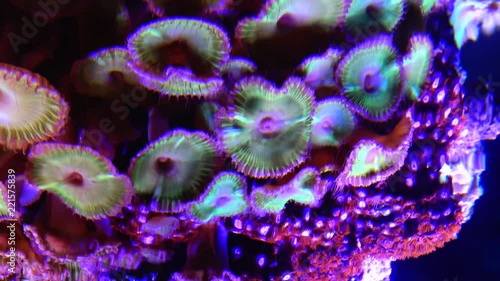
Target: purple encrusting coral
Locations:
point(261, 140)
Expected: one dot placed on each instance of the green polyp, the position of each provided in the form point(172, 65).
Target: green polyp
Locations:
point(225, 197)
point(369, 159)
point(319, 70)
point(206, 41)
point(323, 12)
point(271, 203)
point(427, 6)
point(317, 63)
point(4, 209)
point(417, 65)
point(45, 173)
point(162, 189)
point(285, 14)
point(81, 178)
point(174, 169)
point(236, 68)
point(333, 123)
point(31, 110)
point(303, 196)
point(268, 130)
point(307, 179)
point(370, 75)
point(180, 83)
point(97, 200)
point(104, 74)
point(300, 189)
point(208, 111)
point(364, 13)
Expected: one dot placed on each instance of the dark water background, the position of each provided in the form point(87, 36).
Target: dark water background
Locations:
point(475, 256)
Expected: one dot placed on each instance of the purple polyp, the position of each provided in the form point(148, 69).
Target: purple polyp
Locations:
point(398, 156)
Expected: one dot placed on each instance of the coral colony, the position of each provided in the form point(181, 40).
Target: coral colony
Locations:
point(248, 140)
